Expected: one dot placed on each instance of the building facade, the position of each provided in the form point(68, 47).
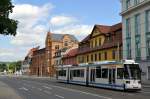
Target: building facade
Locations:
point(43, 60)
point(38, 66)
point(25, 68)
point(136, 33)
point(104, 43)
point(70, 57)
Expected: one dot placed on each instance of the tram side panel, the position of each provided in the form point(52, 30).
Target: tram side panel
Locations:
point(62, 74)
point(78, 75)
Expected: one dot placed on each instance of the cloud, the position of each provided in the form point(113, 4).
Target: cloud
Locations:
point(10, 54)
point(80, 31)
point(30, 29)
point(62, 20)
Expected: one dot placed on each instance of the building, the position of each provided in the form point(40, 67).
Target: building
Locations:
point(43, 60)
point(38, 66)
point(27, 61)
point(58, 57)
point(55, 42)
point(70, 57)
point(104, 43)
point(136, 33)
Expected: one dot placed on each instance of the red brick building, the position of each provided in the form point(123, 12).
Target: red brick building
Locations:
point(38, 66)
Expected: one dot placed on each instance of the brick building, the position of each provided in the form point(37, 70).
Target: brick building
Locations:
point(43, 59)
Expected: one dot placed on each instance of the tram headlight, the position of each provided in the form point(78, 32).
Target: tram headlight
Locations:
point(127, 82)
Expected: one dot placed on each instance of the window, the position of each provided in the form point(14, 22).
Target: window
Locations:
point(136, 2)
point(98, 72)
point(128, 3)
point(78, 73)
point(148, 45)
point(128, 28)
point(113, 54)
point(57, 47)
point(87, 58)
point(91, 57)
point(62, 72)
point(105, 54)
point(95, 57)
point(137, 47)
point(119, 73)
point(128, 49)
point(105, 73)
point(148, 21)
point(137, 24)
point(148, 33)
point(99, 56)
point(99, 41)
point(95, 42)
point(66, 43)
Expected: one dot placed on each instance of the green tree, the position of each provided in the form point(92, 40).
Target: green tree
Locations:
point(15, 66)
point(7, 26)
point(3, 67)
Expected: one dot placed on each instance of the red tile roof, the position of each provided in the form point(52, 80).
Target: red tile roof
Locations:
point(71, 53)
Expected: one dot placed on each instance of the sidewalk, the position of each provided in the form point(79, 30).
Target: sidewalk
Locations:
point(7, 93)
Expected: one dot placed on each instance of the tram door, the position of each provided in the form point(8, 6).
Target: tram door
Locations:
point(92, 75)
point(112, 77)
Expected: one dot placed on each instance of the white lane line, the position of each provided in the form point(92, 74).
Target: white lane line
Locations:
point(40, 89)
point(87, 93)
point(73, 90)
point(59, 96)
point(47, 87)
point(47, 92)
point(23, 88)
point(145, 91)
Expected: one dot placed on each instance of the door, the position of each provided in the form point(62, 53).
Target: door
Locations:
point(112, 77)
point(148, 72)
point(92, 76)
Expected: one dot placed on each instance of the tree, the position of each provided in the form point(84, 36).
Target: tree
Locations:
point(3, 67)
point(15, 66)
point(7, 26)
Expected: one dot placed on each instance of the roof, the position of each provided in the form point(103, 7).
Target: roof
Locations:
point(71, 53)
point(104, 29)
point(58, 37)
point(40, 51)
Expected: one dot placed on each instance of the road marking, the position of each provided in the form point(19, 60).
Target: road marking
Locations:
point(23, 88)
point(47, 87)
point(59, 96)
point(74, 90)
point(40, 89)
point(145, 91)
point(47, 92)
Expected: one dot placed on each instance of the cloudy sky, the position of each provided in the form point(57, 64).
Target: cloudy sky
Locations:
point(36, 17)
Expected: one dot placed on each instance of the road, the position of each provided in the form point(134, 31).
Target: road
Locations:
point(38, 88)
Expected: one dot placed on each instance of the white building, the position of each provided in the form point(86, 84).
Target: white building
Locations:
point(136, 33)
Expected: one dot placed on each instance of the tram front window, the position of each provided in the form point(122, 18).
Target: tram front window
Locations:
point(132, 71)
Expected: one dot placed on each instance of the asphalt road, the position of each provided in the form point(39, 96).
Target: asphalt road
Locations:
point(41, 88)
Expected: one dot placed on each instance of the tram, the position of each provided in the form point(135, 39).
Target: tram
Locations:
point(125, 75)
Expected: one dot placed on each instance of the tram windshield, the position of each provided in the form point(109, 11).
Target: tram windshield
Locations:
point(132, 71)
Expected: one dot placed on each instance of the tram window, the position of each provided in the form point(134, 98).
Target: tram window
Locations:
point(104, 73)
point(98, 72)
point(78, 73)
point(62, 73)
point(119, 73)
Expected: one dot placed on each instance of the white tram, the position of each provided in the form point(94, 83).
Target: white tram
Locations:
point(107, 74)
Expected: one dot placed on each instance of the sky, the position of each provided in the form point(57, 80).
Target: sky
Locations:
point(37, 17)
